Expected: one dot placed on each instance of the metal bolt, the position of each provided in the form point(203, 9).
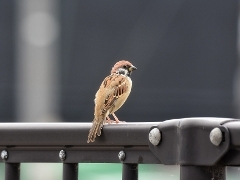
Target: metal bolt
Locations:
point(154, 136)
point(121, 155)
point(4, 155)
point(62, 155)
point(216, 136)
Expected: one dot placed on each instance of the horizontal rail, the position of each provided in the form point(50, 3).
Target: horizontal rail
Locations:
point(42, 142)
point(73, 134)
point(200, 145)
point(183, 141)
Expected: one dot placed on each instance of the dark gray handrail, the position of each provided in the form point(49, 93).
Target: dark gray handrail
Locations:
point(200, 145)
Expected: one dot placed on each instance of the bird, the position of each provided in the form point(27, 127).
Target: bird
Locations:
point(111, 95)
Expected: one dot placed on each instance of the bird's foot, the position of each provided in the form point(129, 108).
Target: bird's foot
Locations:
point(117, 120)
point(109, 121)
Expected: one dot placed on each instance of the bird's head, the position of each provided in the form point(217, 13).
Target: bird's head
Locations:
point(123, 67)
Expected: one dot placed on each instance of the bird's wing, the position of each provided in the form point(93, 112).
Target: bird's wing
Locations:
point(117, 85)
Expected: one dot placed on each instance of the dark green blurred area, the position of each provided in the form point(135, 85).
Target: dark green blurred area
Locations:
point(94, 171)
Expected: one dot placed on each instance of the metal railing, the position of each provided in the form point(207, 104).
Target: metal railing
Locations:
point(203, 147)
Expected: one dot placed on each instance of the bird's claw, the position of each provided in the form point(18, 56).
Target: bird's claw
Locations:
point(110, 121)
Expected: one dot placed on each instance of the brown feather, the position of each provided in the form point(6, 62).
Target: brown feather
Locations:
point(120, 64)
point(111, 95)
point(118, 85)
point(95, 130)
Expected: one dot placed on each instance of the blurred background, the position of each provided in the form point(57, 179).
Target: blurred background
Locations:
point(55, 54)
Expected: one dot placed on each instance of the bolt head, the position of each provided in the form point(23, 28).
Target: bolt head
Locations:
point(216, 136)
point(121, 155)
point(4, 155)
point(62, 155)
point(155, 136)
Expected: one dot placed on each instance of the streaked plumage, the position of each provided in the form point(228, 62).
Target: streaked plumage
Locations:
point(111, 95)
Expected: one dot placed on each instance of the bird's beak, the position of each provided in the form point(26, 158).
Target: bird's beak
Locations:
point(132, 68)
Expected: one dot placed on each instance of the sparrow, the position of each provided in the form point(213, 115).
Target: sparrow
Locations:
point(112, 94)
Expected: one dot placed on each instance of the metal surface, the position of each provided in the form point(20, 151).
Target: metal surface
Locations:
point(202, 173)
point(183, 142)
point(121, 155)
point(62, 155)
point(4, 154)
point(154, 136)
point(130, 172)
point(73, 134)
point(216, 136)
point(70, 171)
point(42, 142)
point(234, 130)
point(12, 171)
point(186, 142)
point(141, 155)
point(168, 151)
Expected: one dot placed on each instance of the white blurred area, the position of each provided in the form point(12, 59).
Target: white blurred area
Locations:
point(37, 34)
point(37, 71)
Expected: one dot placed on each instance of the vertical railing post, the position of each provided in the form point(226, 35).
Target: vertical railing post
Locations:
point(12, 171)
point(70, 171)
point(202, 172)
point(130, 172)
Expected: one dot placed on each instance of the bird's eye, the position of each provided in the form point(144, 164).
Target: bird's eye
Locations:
point(125, 67)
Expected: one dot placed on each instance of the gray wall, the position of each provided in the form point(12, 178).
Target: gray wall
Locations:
point(7, 55)
point(185, 52)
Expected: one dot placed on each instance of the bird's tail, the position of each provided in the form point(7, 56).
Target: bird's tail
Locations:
point(95, 130)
